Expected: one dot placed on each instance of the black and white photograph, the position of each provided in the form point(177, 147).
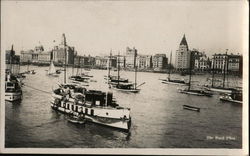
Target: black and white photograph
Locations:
point(154, 77)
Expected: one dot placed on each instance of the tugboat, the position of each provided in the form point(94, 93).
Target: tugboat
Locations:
point(172, 81)
point(13, 91)
point(234, 97)
point(97, 106)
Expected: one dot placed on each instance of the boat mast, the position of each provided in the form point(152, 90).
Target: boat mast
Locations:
point(11, 53)
point(224, 71)
point(118, 70)
point(213, 72)
point(109, 63)
point(190, 71)
point(77, 70)
point(170, 65)
point(65, 63)
point(135, 75)
point(28, 65)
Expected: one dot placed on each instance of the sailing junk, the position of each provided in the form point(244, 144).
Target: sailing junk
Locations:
point(97, 106)
point(222, 88)
point(172, 81)
point(190, 91)
point(124, 85)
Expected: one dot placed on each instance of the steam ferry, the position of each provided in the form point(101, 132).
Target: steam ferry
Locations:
point(97, 106)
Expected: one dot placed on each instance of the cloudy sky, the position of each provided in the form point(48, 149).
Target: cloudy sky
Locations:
point(96, 27)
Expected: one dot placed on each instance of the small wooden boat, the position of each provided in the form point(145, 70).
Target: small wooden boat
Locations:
point(77, 119)
point(191, 108)
point(32, 72)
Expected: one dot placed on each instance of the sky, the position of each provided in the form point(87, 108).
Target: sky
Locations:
point(97, 27)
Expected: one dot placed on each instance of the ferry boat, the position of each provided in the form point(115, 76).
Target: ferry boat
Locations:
point(13, 91)
point(97, 106)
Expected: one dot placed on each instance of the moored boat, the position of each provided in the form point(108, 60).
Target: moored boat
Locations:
point(234, 97)
point(191, 108)
point(172, 81)
point(13, 91)
point(77, 119)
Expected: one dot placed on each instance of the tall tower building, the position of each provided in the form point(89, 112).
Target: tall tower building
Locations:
point(182, 59)
point(63, 42)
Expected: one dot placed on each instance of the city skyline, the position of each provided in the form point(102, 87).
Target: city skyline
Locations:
point(97, 27)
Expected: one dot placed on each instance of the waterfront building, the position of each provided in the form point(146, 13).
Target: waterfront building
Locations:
point(182, 59)
point(144, 61)
point(219, 62)
point(101, 62)
point(235, 63)
point(122, 61)
point(200, 62)
point(39, 50)
point(159, 61)
point(59, 52)
point(130, 57)
point(44, 57)
point(26, 56)
point(82, 61)
point(91, 61)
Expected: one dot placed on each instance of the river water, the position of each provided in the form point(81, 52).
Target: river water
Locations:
point(158, 118)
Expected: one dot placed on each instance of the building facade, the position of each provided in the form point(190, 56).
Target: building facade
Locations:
point(144, 61)
point(182, 59)
point(219, 63)
point(59, 53)
point(200, 62)
point(235, 64)
point(26, 56)
point(159, 61)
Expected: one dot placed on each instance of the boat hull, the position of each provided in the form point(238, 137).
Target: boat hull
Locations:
point(175, 83)
point(220, 90)
point(128, 90)
point(197, 93)
point(13, 96)
point(191, 108)
point(116, 122)
point(229, 99)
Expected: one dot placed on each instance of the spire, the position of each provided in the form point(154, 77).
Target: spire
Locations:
point(183, 41)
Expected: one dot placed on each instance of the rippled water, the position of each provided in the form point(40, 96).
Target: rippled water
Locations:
point(158, 119)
